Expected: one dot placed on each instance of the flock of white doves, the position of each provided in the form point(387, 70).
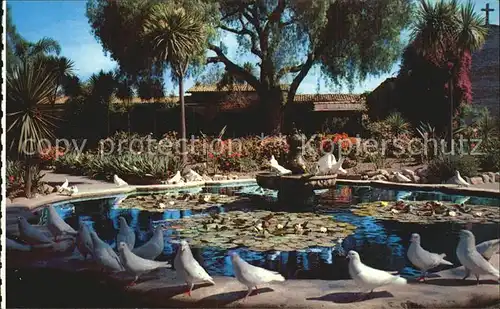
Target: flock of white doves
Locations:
point(141, 260)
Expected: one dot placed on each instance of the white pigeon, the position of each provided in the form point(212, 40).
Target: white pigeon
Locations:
point(176, 179)
point(119, 182)
point(401, 178)
point(16, 246)
point(337, 167)
point(153, 247)
point(192, 176)
point(471, 259)
point(56, 224)
point(136, 265)
point(64, 186)
point(273, 163)
point(328, 165)
point(104, 255)
point(84, 241)
point(30, 234)
point(125, 234)
point(423, 259)
point(250, 275)
point(324, 164)
point(188, 268)
point(488, 248)
point(458, 180)
point(368, 278)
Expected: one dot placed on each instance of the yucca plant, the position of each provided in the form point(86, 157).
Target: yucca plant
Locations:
point(397, 124)
point(29, 86)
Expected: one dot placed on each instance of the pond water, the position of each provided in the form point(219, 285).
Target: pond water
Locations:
point(381, 244)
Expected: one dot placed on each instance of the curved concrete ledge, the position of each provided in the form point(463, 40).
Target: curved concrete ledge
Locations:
point(445, 188)
point(109, 192)
point(162, 289)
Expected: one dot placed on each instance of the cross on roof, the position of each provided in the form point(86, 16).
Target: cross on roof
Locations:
point(487, 10)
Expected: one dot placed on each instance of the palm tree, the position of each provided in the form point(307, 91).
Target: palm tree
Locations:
point(29, 85)
point(444, 32)
point(177, 37)
point(102, 88)
point(25, 50)
point(63, 68)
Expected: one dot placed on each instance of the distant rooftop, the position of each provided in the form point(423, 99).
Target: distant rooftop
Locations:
point(235, 87)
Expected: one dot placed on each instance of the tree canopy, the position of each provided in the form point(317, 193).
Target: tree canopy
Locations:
point(348, 39)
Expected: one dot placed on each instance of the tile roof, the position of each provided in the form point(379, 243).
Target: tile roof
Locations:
point(335, 98)
point(236, 87)
point(135, 100)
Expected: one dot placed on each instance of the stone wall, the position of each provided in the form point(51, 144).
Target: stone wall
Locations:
point(485, 73)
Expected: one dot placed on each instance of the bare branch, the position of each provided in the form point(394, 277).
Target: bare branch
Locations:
point(311, 58)
point(233, 68)
point(289, 69)
point(275, 15)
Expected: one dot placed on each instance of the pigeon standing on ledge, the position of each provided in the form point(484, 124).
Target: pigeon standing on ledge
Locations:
point(64, 186)
point(56, 224)
point(458, 180)
point(125, 234)
point(273, 163)
point(423, 259)
point(368, 278)
point(471, 259)
point(486, 249)
point(136, 265)
point(153, 248)
point(251, 275)
point(84, 241)
point(119, 182)
point(104, 255)
point(188, 269)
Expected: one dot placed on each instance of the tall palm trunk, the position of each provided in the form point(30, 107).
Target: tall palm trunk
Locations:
point(27, 176)
point(183, 118)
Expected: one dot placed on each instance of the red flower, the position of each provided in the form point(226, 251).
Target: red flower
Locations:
point(210, 155)
point(227, 163)
point(11, 178)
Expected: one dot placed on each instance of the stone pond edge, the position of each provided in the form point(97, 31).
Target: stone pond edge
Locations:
point(99, 193)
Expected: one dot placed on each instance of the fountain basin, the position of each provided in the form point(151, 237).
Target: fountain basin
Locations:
point(295, 190)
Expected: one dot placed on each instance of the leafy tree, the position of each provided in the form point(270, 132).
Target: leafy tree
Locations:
point(348, 39)
point(437, 63)
point(29, 85)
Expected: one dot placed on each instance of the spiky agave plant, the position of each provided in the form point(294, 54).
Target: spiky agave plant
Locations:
point(29, 86)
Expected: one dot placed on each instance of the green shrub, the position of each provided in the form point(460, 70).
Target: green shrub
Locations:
point(125, 165)
point(490, 160)
point(443, 168)
point(15, 174)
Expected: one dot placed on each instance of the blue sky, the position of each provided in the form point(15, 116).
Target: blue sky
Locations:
point(65, 21)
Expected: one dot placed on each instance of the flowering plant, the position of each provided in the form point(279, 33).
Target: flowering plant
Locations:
point(49, 154)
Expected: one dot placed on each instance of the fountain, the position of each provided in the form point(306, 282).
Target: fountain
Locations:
point(296, 190)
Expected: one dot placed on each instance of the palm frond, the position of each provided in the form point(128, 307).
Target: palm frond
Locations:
point(175, 34)
point(28, 87)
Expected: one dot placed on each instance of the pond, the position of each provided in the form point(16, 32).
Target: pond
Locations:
point(381, 243)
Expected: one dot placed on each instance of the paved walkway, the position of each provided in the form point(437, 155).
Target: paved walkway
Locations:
point(82, 182)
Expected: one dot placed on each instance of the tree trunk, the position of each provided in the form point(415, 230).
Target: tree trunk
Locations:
point(272, 107)
point(183, 119)
point(27, 177)
point(450, 132)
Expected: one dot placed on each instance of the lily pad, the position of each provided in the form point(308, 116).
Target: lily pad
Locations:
point(265, 230)
point(426, 212)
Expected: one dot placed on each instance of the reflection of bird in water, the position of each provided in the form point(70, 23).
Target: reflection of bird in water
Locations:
point(460, 200)
point(402, 195)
